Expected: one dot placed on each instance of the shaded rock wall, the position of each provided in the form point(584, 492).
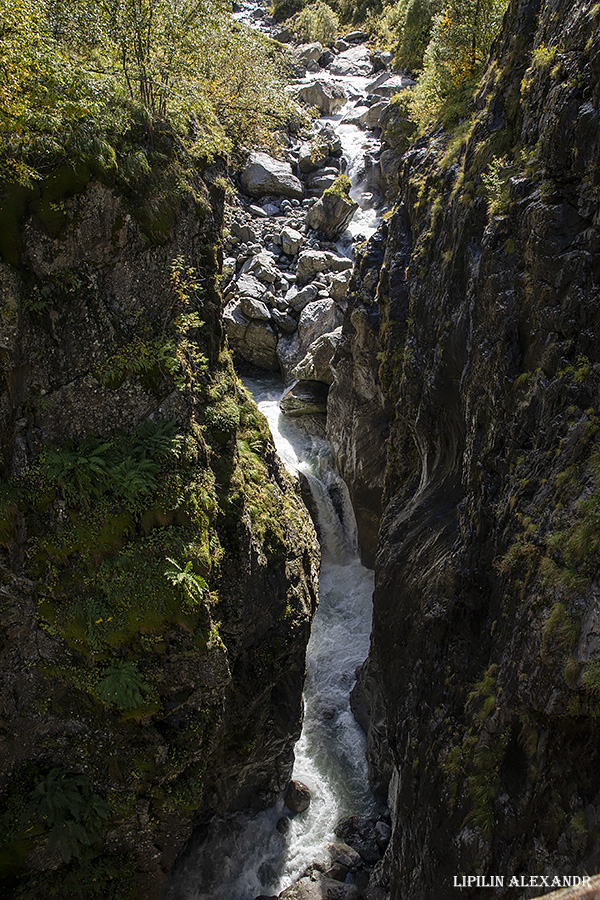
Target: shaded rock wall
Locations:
point(482, 676)
point(159, 570)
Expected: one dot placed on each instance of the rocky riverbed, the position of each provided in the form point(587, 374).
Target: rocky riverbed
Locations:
point(292, 228)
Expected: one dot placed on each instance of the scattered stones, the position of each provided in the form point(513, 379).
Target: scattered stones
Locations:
point(297, 795)
point(265, 175)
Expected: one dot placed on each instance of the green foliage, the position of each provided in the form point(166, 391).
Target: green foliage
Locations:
point(340, 188)
point(453, 62)
point(71, 810)
point(284, 9)
point(123, 685)
point(590, 677)
point(495, 181)
point(316, 22)
point(193, 586)
point(560, 633)
point(82, 76)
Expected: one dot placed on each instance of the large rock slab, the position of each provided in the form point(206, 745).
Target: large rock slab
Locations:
point(331, 214)
point(264, 175)
point(327, 96)
point(316, 365)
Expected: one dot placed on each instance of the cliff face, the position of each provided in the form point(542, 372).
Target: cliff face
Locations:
point(159, 570)
point(482, 684)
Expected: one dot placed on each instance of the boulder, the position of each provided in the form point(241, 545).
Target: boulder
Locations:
point(253, 341)
point(308, 160)
point(326, 58)
point(341, 45)
point(265, 175)
point(244, 231)
point(284, 322)
point(301, 298)
point(342, 853)
point(357, 116)
point(255, 309)
point(388, 84)
point(373, 118)
point(338, 285)
point(381, 59)
point(320, 182)
point(356, 37)
point(306, 53)
point(249, 286)
point(261, 267)
point(319, 887)
point(291, 241)
point(327, 96)
point(316, 365)
point(306, 398)
point(297, 795)
point(331, 214)
point(311, 262)
point(354, 61)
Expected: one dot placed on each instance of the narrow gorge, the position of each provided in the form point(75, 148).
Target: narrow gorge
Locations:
point(299, 388)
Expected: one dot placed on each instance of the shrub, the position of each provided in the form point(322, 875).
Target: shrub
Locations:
point(316, 22)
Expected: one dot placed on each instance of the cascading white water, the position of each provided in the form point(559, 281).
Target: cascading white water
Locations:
point(245, 854)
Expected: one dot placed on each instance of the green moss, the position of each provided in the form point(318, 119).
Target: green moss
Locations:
point(340, 188)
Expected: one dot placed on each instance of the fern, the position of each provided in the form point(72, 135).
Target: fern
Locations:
point(123, 685)
point(192, 585)
point(72, 811)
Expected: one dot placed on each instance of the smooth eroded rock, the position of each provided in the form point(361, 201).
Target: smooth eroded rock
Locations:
point(297, 795)
point(327, 96)
point(265, 175)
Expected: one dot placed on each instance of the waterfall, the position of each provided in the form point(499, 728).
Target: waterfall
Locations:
point(245, 855)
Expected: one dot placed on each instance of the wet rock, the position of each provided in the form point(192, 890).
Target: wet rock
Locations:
point(354, 61)
point(291, 241)
point(383, 833)
point(319, 887)
point(306, 398)
point(265, 175)
point(327, 96)
point(346, 827)
point(389, 167)
point(326, 58)
point(297, 795)
point(357, 116)
point(344, 854)
point(255, 309)
point(356, 37)
point(331, 214)
point(316, 365)
point(283, 825)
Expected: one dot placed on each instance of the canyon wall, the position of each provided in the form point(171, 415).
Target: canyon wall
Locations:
point(158, 571)
point(481, 691)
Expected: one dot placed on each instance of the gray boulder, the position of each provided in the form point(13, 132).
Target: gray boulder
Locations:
point(331, 214)
point(255, 309)
point(265, 175)
point(299, 299)
point(306, 53)
point(252, 341)
point(261, 267)
point(311, 262)
point(249, 286)
point(354, 61)
point(319, 887)
point(338, 285)
point(388, 84)
point(375, 113)
point(284, 322)
point(291, 240)
point(327, 96)
point(316, 365)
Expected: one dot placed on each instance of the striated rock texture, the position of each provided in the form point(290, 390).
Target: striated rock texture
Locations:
point(158, 570)
point(483, 679)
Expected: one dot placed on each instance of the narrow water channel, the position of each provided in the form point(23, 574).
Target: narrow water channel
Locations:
point(247, 855)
